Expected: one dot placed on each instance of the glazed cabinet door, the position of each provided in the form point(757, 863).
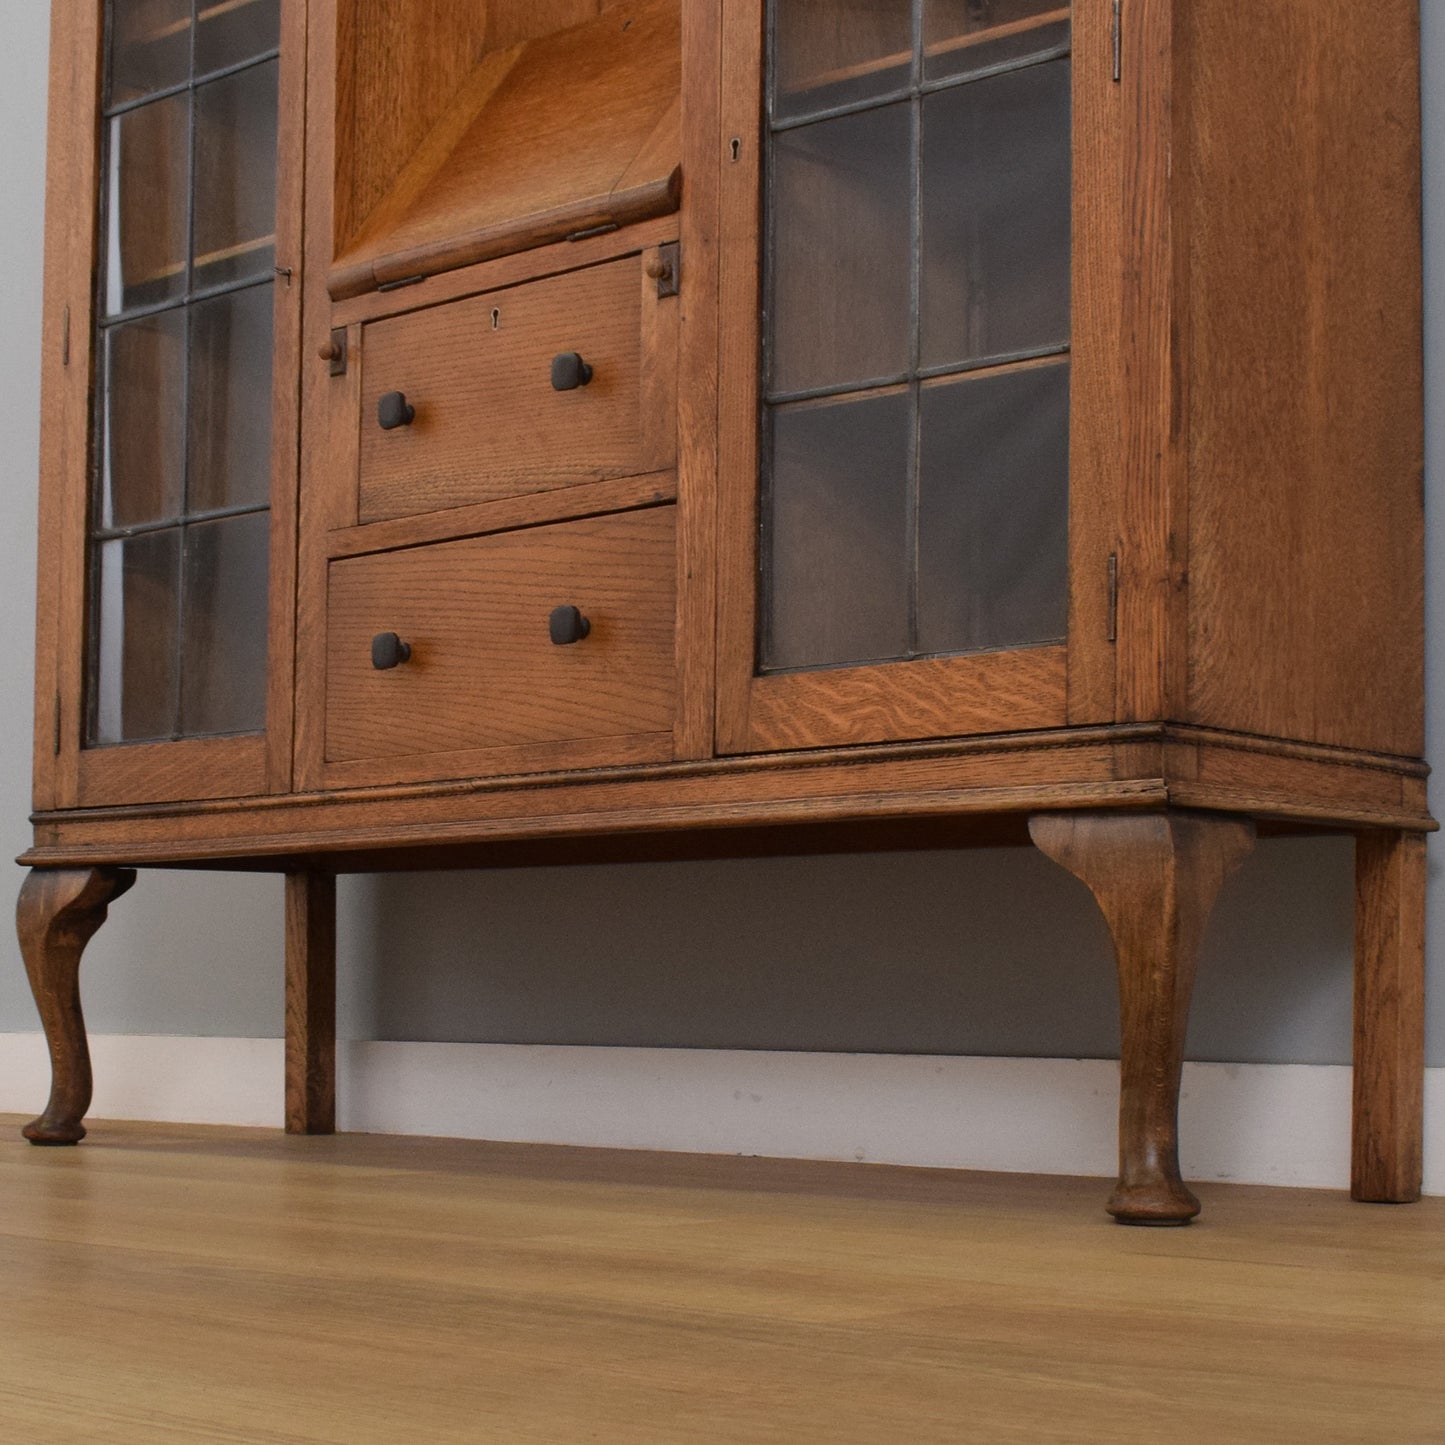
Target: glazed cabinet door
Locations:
point(907, 419)
point(169, 468)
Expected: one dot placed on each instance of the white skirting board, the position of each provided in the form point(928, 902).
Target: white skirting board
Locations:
point(1257, 1123)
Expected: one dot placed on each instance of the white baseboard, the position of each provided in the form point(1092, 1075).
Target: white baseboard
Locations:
point(1283, 1124)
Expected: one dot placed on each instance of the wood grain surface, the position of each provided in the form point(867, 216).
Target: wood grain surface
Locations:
point(1148, 487)
point(1303, 357)
point(697, 386)
point(214, 767)
point(58, 913)
point(229, 1285)
point(583, 499)
point(310, 1002)
point(483, 672)
point(488, 423)
point(167, 772)
point(1138, 765)
point(739, 223)
point(1155, 877)
point(563, 130)
point(67, 369)
point(1097, 386)
point(1389, 1078)
point(928, 697)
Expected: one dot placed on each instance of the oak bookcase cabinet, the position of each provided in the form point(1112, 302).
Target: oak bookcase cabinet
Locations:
point(500, 431)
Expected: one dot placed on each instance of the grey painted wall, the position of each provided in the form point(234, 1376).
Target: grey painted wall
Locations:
point(983, 952)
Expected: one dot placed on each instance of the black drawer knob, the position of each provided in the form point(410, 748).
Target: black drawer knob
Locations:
point(388, 650)
point(569, 372)
point(393, 411)
point(567, 625)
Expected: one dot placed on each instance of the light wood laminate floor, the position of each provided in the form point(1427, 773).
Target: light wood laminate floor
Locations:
point(188, 1284)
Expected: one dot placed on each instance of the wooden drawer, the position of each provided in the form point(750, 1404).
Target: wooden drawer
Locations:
point(485, 689)
point(488, 423)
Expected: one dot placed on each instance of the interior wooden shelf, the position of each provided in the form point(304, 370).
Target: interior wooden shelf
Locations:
point(932, 51)
point(570, 132)
point(208, 12)
point(210, 258)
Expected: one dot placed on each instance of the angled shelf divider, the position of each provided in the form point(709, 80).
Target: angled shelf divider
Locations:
point(577, 130)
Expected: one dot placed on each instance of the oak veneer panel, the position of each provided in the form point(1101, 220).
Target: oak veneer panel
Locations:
point(564, 132)
point(483, 671)
point(488, 423)
point(586, 499)
point(1304, 366)
point(168, 772)
point(399, 68)
point(536, 265)
point(927, 697)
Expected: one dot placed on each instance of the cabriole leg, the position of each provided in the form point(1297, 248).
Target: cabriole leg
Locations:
point(1389, 1017)
point(59, 911)
point(1155, 877)
point(310, 1003)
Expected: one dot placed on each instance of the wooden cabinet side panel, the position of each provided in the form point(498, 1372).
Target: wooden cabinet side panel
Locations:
point(1304, 363)
point(66, 371)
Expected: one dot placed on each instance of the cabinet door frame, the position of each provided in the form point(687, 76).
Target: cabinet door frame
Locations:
point(978, 693)
point(66, 772)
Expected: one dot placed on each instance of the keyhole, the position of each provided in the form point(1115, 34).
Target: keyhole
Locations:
point(496, 319)
point(737, 147)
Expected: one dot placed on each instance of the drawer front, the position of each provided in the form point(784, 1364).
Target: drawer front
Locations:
point(483, 673)
point(487, 422)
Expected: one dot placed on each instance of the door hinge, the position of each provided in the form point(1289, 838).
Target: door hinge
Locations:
point(65, 339)
point(1113, 596)
point(666, 269)
point(57, 724)
point(1118, 41)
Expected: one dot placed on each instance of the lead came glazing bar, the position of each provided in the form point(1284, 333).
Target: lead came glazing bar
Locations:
point(179, 521)
point(946, 530)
